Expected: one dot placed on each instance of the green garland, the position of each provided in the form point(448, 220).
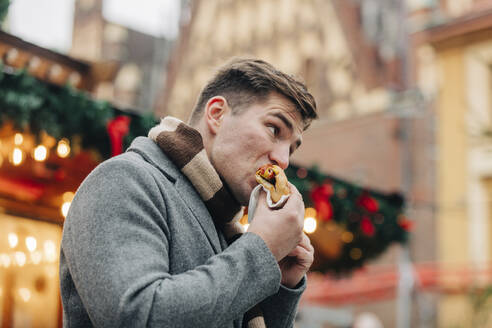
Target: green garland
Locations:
point(4, 9)
point(375, 220)
point(62, 112)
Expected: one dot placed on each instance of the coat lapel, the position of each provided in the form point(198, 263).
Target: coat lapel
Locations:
point(151, 152)
point(191, 198)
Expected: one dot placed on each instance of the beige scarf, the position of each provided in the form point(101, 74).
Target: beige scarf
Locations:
point(184, 146)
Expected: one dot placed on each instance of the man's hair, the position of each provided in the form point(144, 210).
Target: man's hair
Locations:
point(243, 82)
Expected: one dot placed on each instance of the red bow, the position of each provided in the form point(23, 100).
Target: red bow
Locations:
point(118, 128)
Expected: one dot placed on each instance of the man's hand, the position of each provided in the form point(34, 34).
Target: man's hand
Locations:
point(295, 265)
point(281, 229)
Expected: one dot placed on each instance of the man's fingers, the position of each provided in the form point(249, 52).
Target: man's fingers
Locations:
point(306, 243)
point(301, 254)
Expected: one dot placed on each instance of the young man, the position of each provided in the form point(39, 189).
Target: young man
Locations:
point(148, 239)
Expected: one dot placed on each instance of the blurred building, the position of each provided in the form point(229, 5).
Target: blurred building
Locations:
point(134, 60)
point(452, 51)
point(373, 129)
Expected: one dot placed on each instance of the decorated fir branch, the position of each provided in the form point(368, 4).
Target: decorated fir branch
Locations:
point(64, 112)
point(354, 224)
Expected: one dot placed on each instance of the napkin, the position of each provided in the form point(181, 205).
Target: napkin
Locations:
point(253, 201)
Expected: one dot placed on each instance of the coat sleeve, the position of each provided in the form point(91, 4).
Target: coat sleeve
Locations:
point(116, 241)
point(280, 309)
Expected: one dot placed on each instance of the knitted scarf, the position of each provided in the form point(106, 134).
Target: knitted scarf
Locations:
point(184, 146)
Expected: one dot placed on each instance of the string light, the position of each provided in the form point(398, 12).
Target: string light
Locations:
point(17, 156)
point(63, 148)
point(67, 201)
point(40, 153)
point(50, 250)
point(25, 294)
point(355, 253)
point(302, 173)
point(18, 139)
point(347, 237)
point(68, 196)
point(64, 208)
point(20, 258)
point(13, 239)
point(310, 225)
point(5, 260)
point(36, 257)
point(31, 243)
point(310, 212)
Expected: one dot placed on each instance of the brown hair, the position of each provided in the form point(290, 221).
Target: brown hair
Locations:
point(245, 81)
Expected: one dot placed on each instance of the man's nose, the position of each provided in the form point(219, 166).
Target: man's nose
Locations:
point(280, 157)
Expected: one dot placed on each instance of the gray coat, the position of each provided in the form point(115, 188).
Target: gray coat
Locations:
point(139, 249)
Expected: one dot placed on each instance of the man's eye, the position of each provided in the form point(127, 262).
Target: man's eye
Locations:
point(274, 130)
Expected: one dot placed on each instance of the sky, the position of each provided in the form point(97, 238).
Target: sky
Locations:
point(48, 23)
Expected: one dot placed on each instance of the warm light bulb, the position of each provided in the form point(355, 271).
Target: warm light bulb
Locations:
point(25, 294)
point(31, 243)
point(17, 156)
point(310, 212)
point(36, 257)
point(40, 153)
point(309, 225)
point(63, 148)
point(64, 209)
point(5, 260)
point(355, 253)
point(20, 258)
point(246, 226)
point(347, 237)
point(18, 139)
point(50, 251)
point(68, 196)
point(13, 239)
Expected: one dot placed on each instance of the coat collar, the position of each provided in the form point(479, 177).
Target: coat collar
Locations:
point(151, 153)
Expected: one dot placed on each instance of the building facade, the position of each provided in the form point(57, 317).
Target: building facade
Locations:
point(452, 43)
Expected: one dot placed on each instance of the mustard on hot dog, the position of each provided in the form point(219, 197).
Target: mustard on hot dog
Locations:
point(273, 178)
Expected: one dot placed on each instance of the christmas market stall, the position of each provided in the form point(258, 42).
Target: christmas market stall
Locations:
point(52, 134)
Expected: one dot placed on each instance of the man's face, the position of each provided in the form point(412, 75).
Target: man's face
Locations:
point(262, 133)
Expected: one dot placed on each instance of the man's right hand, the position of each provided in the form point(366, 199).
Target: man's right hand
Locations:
point(281, 229)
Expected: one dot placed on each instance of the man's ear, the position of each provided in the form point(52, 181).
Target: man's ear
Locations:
point(215, 109)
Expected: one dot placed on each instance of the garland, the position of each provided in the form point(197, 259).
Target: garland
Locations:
point(355, 224)
point(4, 9)
point(63, 112)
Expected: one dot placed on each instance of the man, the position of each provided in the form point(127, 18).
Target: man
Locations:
point(148, 242)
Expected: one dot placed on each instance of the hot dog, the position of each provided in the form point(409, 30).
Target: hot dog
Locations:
point(273, 178)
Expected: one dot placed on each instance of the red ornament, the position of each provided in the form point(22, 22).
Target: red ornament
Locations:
point(324, 191)
point(324, 210)
point(117, 129)
point(369, 203)
point(367, 227)
point(321, 198)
